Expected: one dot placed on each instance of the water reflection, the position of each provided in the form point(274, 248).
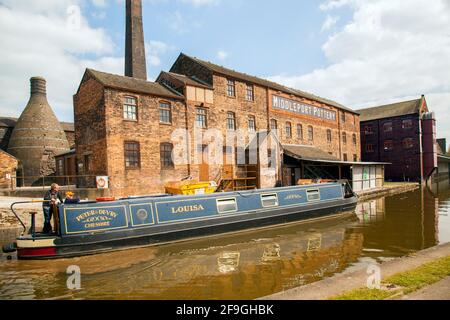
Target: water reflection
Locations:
point(247, 265)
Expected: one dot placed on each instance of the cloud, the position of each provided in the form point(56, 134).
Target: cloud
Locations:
point(49, 38)
point(199, 3)
point(329, 23)
point(389, 51)
point(155, 49)
point(222, 55)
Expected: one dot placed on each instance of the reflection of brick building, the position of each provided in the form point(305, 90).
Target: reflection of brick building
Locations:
point(403, 134)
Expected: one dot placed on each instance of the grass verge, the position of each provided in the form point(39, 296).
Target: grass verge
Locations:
point(409, 281)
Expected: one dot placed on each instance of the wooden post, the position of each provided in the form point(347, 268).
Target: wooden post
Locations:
point(55, 218)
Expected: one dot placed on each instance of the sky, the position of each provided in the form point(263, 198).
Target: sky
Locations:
point(360, 53)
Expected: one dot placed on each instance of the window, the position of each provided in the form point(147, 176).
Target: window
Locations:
point(313, 195)
point(300, 131)
point(329, 137)
point(273, 125)
point(166, 155)
point(250, 95)
point(388, 145)
point(344, 138)
point(310, 133)
point(269, 200)
point(231, 121)
point(354, 139)
point(251, 124)
point(345, 157)
point(130, 109)
point(408, 143)
point(165, 113)
point(343, 118)
point(387, 127)
point(132, 155)
point(368, 129)
point(201, 118)
point(226, 205)
point(355, 158)
point(87, 163)
point(231, 88)
point(407, 124)
point(369, 148)
point(288, 130)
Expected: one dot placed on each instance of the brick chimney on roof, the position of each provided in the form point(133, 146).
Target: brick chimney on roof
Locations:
point(135, 64)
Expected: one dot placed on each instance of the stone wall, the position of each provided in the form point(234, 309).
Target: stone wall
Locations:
point(8, 166)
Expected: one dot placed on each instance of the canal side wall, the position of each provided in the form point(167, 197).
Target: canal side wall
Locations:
point(389, 189)
point(347, 281)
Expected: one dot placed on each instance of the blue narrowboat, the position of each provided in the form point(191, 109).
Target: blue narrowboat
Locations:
point(95, 227)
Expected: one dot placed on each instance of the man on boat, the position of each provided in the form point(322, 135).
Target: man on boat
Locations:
point(52, 198)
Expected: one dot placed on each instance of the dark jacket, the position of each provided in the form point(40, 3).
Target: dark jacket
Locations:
point(49, 196)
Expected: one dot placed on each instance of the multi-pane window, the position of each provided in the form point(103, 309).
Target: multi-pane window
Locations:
point(344, 138)
point(201, 116)
point(165, 112)
point(408, 143)
point(345, 157)
point(407, 124)
point(368, 129)
point(343, 117)
point(329, 137)
point(130, 109)
point(388, 145)
point(231, 88)
point(132, 155)
point(369, 148)
point(300, 131)
point(354, 139)
point(231, 121)
point(288, 130)
point(310, 133)
point(251, 124)
point(166, 155)
point(273, 125)
point(387, 127)
point(250, 94)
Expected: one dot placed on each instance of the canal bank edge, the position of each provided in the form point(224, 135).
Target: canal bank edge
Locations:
point(345, 282)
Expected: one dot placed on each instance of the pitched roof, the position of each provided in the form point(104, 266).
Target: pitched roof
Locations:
point(133, 84)
point(187, 80)
point(11, 123)
point(266, 83)
point(307, 153)
point(391, 110)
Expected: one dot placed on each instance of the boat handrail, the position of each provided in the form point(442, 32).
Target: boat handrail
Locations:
point(17, 216)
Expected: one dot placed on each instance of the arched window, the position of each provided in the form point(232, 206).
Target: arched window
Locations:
point(310, 133)
point(288, 130)
point(354, 139)
point(300, 131)
point(273, 125)
point(329, 136)
point(344, 138)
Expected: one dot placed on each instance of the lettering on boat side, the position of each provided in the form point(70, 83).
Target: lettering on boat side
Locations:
point(94, 219)
point(184, 209)
point(293, 197)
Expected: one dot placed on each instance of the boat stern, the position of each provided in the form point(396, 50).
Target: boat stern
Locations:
point(37, 248)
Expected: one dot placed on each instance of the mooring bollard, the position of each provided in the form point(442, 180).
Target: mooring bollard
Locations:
point(33, 224)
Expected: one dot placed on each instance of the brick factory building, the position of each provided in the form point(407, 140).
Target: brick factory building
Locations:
point(143, 134)
point(403, 134)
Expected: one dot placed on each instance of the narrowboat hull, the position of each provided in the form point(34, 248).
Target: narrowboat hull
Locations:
point(94, 228)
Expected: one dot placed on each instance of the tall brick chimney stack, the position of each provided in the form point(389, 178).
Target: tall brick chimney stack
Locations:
point(135, 65)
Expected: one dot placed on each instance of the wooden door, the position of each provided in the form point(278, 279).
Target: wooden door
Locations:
point(204, 165)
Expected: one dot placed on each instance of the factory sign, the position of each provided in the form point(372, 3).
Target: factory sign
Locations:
point(280, 103)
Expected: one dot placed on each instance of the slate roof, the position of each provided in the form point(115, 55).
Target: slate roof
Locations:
point(187, 80)
point(133, 85)
point(303, 152)
point(391, 110)
point(265, 83)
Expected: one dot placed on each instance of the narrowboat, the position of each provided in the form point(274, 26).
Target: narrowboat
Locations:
point(96, 227)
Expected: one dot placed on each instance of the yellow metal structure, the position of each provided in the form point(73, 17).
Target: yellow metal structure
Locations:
point(190, 188)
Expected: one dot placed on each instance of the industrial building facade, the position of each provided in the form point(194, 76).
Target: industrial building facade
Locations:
point(144, 134)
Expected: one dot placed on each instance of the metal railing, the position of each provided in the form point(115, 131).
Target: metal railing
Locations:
point(76, 181)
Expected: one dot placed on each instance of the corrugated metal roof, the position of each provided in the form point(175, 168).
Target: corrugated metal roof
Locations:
point(133, 84)
point(266, 83)
point(307, 153)
point(391, 110)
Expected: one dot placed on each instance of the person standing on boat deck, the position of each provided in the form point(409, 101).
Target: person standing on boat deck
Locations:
point(54, 197)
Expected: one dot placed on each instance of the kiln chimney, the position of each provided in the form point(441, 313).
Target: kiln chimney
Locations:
point(135, 65)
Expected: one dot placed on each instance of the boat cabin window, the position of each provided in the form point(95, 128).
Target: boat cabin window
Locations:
point(313, 195)
point(269, 200)
point(227, 205)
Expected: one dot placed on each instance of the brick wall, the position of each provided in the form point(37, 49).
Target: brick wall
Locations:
point(8, 165)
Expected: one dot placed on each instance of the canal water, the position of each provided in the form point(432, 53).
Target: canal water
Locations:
point(243, 266)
